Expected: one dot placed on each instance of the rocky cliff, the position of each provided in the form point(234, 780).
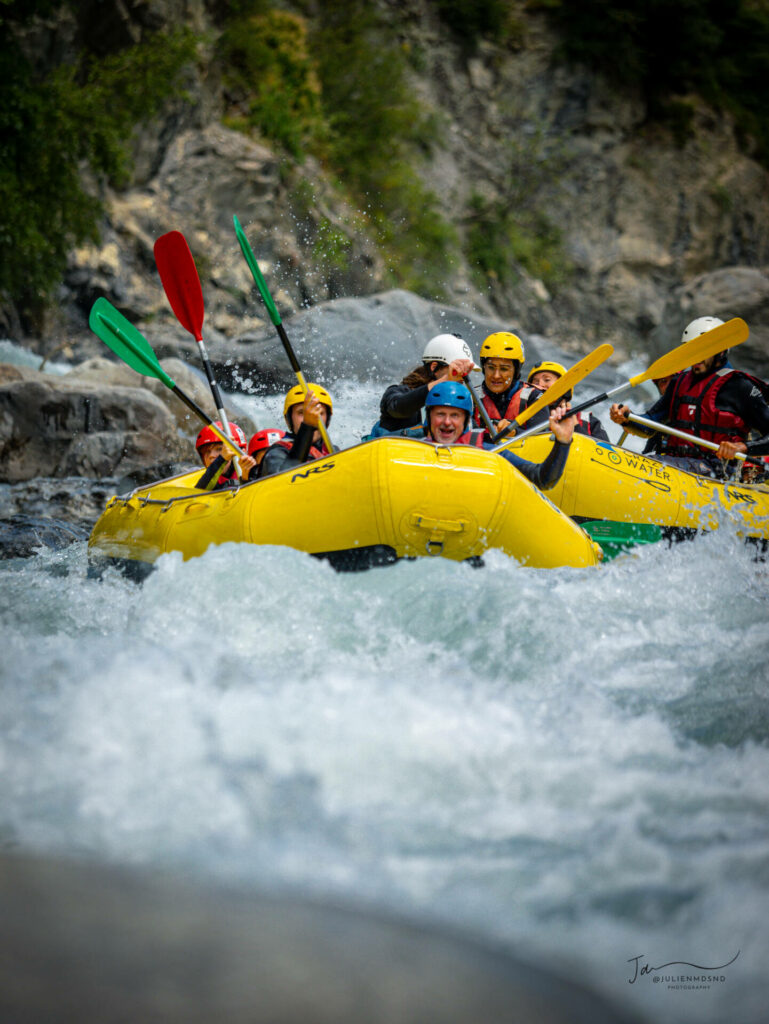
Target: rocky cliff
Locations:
point(652, 233)
point(644, 234)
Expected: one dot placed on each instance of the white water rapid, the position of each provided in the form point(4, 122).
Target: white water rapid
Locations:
point(574, 763)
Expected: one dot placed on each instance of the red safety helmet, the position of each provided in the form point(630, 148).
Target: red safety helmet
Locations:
point(265, 439)
point(207, 435)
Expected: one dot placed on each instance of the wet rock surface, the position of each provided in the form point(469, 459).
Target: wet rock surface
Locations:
point(99, 945)
point(24, 535)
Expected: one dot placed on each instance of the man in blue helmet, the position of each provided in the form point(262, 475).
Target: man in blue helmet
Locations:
point(448, 412)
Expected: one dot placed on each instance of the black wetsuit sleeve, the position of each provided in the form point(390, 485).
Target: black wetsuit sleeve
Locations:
point(279, 458)
point(745, 398)
point(403, 403)
point(543, 474)
point(759, 447)
point(596, 429)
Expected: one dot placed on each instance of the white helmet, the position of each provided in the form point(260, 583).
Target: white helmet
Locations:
point(444, 348)
point(701, 325)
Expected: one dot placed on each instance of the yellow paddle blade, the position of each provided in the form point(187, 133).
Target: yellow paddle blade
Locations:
point(727, 335)
point(566, 383)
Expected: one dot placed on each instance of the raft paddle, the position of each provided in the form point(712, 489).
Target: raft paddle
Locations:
point(181, 283)
point(556, 390)
point(481, 408)
point(664, 429)
point(727, 335)
point(132, 347)
point(272, 309)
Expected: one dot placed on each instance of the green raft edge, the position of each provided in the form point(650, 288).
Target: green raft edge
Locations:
point(615, 538)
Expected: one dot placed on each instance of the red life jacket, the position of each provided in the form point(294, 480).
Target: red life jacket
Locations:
point(583, 426)
point(513, 406)
point(472, 437)
point(313, 453)
point(693, 409)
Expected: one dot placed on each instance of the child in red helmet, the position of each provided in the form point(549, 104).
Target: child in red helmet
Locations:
point(261, 441)
point(220, 471)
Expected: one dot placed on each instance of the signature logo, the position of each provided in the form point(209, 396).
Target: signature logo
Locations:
point(640, 969)
point(315, 469)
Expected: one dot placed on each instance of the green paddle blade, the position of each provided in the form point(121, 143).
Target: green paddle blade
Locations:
point(614, 538)
point(125, 341)
point(256, 273)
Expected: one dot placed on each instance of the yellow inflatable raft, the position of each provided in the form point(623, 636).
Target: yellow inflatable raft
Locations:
point(602, 481)
point(388, 498)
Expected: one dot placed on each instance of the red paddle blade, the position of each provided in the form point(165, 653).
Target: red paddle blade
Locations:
point(180, 281)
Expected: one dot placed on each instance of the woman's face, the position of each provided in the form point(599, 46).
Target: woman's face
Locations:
point(498, 374)
point(544, 379)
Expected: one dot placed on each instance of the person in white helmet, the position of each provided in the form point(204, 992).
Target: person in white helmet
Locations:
point(711, 400)
point(445, 357)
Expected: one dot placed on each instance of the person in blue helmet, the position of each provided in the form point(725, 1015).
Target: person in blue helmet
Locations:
point(445, 357)
point(448, 412)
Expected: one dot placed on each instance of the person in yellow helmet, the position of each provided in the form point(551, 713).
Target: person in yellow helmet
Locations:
point(502, 357)
point(302, 443)
point(540, 378)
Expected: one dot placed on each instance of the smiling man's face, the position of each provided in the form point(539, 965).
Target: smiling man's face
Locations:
point(446, 423)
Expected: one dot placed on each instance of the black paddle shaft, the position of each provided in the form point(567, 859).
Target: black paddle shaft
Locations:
point(193, 406)
point(217, 395)
point(289, 350)
point(587, 404)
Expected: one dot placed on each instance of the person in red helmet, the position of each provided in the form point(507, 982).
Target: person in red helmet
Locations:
point(261, 441)
point(219, 469)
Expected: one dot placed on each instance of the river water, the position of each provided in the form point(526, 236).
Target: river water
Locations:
point(574, 763)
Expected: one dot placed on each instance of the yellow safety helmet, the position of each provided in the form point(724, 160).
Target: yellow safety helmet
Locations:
point(296, 395)
point(548, 365)
point(503, 345)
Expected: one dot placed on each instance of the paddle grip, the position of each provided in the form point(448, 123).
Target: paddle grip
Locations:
point(507, 430)
point(663, 428)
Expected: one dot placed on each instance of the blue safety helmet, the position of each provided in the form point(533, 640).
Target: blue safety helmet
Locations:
point(450, 393)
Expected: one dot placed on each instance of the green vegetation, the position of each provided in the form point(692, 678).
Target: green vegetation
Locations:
point(377, 135)
point(718, 49)
point(498, 242)
point(330, 80)
point(335, 87)
point(270, 80)
point(471, 19)
point(514, 230)
point(51, 125)
point(332, 246)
